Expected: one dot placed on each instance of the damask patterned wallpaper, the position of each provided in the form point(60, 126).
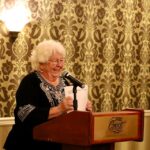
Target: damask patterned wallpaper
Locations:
point(107, 44)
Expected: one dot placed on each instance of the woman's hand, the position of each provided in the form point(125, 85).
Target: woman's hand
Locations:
point(67, 104)
point(89, 106)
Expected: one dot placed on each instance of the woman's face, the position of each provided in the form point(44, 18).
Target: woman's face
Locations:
point(55, 65)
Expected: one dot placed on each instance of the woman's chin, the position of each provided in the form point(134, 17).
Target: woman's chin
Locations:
point(56, 75)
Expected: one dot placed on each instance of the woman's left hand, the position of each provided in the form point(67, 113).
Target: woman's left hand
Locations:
point(89, 106)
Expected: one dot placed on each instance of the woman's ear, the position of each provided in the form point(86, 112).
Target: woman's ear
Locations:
point(42, 67)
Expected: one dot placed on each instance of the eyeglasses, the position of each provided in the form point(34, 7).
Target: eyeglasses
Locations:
point(57, 61)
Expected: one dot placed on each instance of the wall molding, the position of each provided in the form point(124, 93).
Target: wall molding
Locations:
point(146, 112)
point(6, 121)
point(10, 120)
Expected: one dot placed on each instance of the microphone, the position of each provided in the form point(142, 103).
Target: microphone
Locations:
point(75, 81)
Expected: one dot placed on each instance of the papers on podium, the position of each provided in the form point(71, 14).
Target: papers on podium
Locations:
point(82, 96)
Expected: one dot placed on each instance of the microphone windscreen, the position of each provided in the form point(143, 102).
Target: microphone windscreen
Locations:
point(64, 73)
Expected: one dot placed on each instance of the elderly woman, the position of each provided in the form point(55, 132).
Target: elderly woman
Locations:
point(40, 97)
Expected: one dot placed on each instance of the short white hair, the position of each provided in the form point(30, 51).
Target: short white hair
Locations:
point(43, 51)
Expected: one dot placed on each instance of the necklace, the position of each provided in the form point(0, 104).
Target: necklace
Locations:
point(48, 79)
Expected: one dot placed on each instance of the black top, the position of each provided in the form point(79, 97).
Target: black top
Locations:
point(34, 97)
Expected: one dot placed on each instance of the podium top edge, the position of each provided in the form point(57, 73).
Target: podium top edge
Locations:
point(123, 112)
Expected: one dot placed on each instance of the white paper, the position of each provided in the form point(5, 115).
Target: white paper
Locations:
point(82, 96)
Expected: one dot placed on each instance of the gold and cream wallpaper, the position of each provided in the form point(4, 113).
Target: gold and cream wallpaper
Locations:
point(107, 44)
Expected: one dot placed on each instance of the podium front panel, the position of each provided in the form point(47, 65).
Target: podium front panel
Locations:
point(121, 126)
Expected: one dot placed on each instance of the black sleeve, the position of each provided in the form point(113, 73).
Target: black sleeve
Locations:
point(32, 106)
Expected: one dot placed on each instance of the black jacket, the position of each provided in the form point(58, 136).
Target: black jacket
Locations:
point(34, 98)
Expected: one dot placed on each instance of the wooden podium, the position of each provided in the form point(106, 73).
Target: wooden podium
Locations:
point(79, 130)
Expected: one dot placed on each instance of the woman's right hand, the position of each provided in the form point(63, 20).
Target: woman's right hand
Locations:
point(66, 105)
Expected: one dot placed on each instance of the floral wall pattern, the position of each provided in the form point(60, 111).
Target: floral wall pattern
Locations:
point(107, 44)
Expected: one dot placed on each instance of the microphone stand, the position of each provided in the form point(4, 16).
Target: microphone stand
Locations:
point(75, 102)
